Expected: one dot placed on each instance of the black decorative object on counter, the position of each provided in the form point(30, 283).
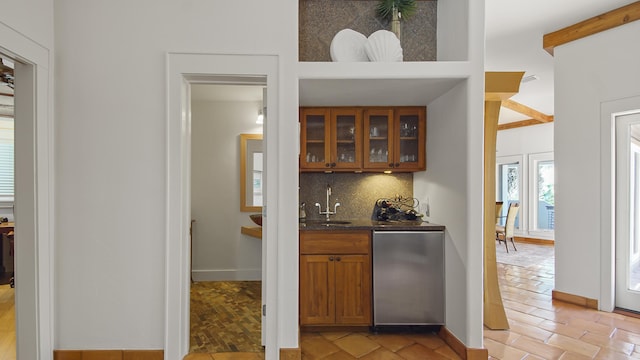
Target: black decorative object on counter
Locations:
point(397, 209)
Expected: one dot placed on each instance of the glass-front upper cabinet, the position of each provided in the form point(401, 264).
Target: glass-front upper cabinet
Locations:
point(314, 137)
point(378, 134)
point(410, 134)
point(395, 139)
point(331, 139)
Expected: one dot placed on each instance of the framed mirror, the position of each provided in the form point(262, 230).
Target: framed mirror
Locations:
point(251, 172)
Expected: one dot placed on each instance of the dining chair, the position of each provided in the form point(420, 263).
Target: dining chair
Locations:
point(498, 210)
point(503, 233)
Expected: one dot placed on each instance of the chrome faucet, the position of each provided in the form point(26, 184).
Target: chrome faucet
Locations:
point(328, 212)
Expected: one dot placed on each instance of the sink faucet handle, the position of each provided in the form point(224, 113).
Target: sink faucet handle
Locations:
point(335, 207)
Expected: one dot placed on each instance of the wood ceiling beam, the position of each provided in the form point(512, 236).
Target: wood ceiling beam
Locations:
point(517, 124)
point(525, 110)
point(594, 25)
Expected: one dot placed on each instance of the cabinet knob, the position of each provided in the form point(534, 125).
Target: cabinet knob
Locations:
point(333, 164)
point(397, 164)
point(338, 258)
point(390, 164)
point(330, 258)
point(327, 165)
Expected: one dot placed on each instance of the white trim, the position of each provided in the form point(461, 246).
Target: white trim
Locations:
point(227, 275)
point(34, 256)
point(608, 111)
point(183, 68)
point(533, 160)
point(624, 298)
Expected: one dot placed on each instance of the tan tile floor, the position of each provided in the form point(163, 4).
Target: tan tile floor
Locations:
point(542, 328)
point(367, 346)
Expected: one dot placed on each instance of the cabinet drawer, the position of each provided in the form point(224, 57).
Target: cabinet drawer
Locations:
point(335, 242)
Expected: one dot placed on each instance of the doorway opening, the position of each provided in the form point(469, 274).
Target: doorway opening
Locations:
point(7, 198)
point(627, 239)
point(226, 289)
point(185, 70)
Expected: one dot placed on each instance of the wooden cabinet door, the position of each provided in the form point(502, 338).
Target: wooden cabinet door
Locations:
point(378, 139)
point(353, 289)
point(315, 140)
point(317, 289)
point(346, 139)
point(409, 139)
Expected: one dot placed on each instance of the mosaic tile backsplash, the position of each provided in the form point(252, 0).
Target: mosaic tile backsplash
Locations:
point(320, 21)
point(357, 193)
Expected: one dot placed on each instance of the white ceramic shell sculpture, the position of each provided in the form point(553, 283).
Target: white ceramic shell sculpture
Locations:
point(383, 46)
point(348, 45)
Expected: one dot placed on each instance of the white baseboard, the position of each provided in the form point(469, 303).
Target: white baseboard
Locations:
point(227, 275)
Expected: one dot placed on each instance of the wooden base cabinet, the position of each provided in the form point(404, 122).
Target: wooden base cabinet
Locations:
point(335, 278)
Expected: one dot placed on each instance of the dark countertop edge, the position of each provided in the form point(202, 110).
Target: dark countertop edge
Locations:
point(371, 225)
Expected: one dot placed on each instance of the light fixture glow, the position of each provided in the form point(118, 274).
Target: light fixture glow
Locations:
point(387, 171)
point(260, 119)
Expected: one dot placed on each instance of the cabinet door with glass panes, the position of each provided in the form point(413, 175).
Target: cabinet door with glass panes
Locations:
point(346, 139)
point(378, 139)
point(315, 124)
point(394, 139)
point(409, 139)
point(330, 139)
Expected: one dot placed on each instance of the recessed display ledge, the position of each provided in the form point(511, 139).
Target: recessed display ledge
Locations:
point(373, 83)
point(383, 70)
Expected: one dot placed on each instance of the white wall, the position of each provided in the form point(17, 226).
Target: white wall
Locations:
point(32, 18)
point(525, 140)
point(453, 179)
point(28, 37)
point(112, 151)
point(220, 251)
point(444, 185)
point(37, 26)
point(588, 72)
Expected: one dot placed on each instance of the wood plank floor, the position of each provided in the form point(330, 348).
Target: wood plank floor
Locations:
point(7, 323)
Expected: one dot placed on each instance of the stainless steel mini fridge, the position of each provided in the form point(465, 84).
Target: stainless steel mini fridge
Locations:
point(408, 278)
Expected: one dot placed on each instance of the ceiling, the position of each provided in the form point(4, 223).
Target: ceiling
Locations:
point(514, 31)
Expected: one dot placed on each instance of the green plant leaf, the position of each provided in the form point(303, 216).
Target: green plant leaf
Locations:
point(405, 7)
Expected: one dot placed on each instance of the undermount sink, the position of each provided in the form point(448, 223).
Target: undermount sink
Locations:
point(329, 222)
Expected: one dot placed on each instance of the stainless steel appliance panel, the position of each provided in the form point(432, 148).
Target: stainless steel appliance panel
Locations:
point(408, 278)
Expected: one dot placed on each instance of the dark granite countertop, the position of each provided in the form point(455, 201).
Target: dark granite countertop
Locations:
point(366, 224)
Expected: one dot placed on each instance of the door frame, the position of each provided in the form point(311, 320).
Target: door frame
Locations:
point(609, 110)
point(623, 192)
point(184, 69)
point(34, 300)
